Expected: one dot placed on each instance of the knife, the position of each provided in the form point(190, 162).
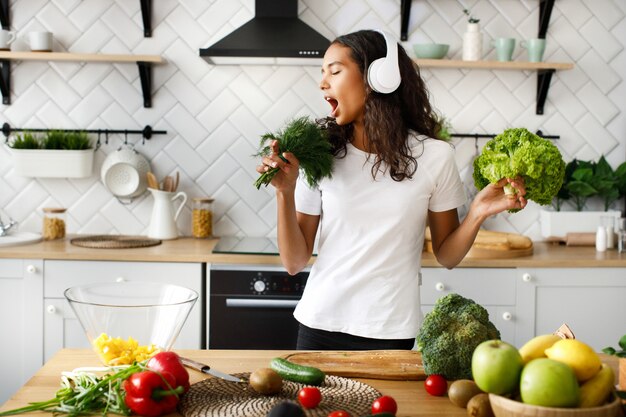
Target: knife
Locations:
point(206, 369)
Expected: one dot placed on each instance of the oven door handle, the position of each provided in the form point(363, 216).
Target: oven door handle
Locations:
point(264, 303)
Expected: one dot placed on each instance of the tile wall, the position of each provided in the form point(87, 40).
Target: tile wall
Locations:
point(214, 115)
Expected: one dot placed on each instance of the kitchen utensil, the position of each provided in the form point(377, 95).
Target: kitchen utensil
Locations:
point(149, 312)
point(214, 397)
point(430, 50)
point(176, 181)
point(375, 364)
point(124, 173)
point(168, 184)
point(152, 181)
point(163, 220)
point(206, 369)
point(114, 242)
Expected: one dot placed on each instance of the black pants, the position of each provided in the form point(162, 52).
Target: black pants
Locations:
point(314, 339)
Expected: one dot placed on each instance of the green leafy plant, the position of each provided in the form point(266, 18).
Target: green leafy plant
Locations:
point(619, 353)
point(308, 142)
point(443, 127)
point(77, 141)
point(471, 19)
point(25, 141)
point(59, 139)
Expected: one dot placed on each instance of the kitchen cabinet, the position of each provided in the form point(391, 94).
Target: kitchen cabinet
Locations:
point(144, 64)
point(590, 300)
point(493, 288)
point(62, 329)
point(20, 322)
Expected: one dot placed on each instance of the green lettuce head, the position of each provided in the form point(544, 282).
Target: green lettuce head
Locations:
point(518, 152)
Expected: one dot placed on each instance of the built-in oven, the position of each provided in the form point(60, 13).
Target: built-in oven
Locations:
point(251, 306)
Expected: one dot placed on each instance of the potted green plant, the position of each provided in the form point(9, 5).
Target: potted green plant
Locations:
point(57, 154)
point(621, 355)
point(584, 181)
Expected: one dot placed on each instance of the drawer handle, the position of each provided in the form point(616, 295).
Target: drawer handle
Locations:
point(506, 316)
point(120, 279)
point(31, 269)
point(527, 277)
point(440, 286)
point(51, 309)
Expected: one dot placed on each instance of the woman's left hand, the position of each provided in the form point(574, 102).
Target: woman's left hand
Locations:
point(493, 200)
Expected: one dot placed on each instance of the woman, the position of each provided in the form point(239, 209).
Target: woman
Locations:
point(390, 177)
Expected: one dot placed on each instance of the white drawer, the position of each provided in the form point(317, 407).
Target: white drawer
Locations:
point(60, 275)
point(11, 268)
point(486, 286)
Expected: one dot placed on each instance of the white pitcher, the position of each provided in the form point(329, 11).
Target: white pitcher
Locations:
point(163, 220)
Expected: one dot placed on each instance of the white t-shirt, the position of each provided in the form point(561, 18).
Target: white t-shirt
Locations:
point(364, 281)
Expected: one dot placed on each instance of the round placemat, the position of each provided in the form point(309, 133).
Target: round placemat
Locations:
point(215, 397)
point(114, 242)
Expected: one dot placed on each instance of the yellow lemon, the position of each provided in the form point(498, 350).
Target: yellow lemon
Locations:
point(578, 355)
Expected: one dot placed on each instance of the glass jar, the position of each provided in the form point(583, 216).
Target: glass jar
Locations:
point(53, 223)
point(202, 217)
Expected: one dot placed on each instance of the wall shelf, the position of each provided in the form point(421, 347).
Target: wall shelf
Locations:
point(144, 64)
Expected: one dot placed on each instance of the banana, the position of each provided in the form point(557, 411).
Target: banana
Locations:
point(595, 391)
point(536, 346)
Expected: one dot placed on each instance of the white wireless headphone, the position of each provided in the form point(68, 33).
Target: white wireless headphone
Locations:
point(383, 75)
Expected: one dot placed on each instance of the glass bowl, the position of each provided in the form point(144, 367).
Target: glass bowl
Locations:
point(130, 321)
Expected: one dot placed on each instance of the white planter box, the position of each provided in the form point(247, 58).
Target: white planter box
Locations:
point(560, 223)
point(53, 163)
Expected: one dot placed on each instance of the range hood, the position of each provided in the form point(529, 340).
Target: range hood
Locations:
point(275, 36)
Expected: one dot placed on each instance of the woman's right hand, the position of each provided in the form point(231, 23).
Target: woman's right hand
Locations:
point(285, 180)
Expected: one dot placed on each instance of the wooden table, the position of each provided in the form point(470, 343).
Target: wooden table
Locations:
point(411, 397)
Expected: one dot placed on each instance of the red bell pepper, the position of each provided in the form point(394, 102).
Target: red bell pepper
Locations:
point(152, 394)
point(170, 362)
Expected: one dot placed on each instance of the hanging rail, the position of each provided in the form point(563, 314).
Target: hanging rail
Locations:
point(146, 132)
point(493, 135)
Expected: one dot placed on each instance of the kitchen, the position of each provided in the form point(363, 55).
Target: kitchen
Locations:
point(215, 114)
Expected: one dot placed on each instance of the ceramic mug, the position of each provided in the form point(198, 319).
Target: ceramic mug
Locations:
point(504, 48)
point(40, 41)
point(536, 48)
point(6, 38)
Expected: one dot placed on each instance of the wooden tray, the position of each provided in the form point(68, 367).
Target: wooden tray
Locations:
point(403, 365)
point(216, 397)
point(477, 252)
point(114, 242)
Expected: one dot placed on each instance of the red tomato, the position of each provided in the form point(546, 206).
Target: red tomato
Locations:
point(339, 413)
point(436, 385)
point(384, 404)
point(309, 397)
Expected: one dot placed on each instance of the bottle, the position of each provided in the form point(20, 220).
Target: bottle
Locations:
point(601, 239)
point(53, 223)
point(472, 43)
point(202, 217)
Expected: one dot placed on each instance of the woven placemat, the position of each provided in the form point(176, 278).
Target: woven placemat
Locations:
point(114, 242)
point(215, 397)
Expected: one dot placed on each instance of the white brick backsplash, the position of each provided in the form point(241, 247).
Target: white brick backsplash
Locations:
point(215, 115)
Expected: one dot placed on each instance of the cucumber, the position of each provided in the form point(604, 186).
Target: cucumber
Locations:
point(297, 373)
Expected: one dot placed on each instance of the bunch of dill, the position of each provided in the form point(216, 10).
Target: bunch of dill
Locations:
point(308, 142)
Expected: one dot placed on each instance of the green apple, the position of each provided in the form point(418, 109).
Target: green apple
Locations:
point(549, 383)
point(496, 367)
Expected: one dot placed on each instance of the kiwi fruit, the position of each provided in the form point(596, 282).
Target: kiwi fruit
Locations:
point(479, 406)
point(266, 381)
point(461, 391)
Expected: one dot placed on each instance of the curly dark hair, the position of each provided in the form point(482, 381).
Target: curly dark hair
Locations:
point(388, 117)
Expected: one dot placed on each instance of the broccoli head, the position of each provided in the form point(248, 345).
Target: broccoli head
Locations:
point(449, 335)
point(518, 152)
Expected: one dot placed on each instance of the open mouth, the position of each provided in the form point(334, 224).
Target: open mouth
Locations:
point(333, 104)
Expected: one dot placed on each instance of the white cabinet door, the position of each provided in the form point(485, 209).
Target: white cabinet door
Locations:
point(590, 300)
point(493, 288)
point(62, 329)
point(21, 291)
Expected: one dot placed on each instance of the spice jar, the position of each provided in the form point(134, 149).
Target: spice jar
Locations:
point(202, 217)
point(53, 223)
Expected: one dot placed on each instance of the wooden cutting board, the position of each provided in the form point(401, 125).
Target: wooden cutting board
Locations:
point(374, 364)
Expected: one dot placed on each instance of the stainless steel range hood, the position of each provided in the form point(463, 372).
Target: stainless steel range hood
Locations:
point(275, 36)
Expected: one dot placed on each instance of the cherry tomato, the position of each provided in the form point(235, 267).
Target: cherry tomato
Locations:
point(384, 404)
point(436, 385)
point(339, 413)
point(309, 397)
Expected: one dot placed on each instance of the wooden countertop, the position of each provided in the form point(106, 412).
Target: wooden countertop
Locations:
point(546, 255)
point(411, 397)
